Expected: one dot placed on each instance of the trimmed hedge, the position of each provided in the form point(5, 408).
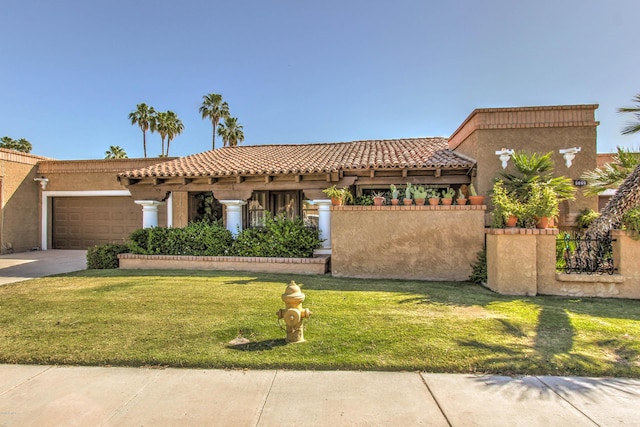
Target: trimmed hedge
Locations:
point(105, 256)
point(198, 238)
point(280, 237)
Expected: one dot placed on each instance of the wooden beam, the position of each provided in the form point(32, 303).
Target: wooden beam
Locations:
point(298, 178)
point(186, 181)
point(404, 173)
point(372, 173)
point(438, 173)
point(239, 179)
point(268, 179)
point(157, 181)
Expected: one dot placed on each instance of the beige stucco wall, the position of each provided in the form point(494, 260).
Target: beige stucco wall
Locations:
point(532, 129)
point(19, 226)
point(523, 262)
point(397, 242)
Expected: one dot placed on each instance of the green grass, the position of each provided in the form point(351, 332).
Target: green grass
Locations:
point(186, 319)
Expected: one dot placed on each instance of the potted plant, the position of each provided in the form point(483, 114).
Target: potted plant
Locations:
point(447, 196)
point(394, 195)
point(419, 195)
point(378, 198)
point(407, 195)
point(433, 196)
point(543, 203)
point(338, 196)
point(507, 207)
point(474, 199)
point(461, 200)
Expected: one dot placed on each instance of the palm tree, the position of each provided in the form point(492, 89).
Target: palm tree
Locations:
point(145, 117)
point(231, 132)
point(633, 127)
point(12, 144)
point(612, 174)
point(175, 128)
point(536, 168)
point(163, 126)
point(215, 109)
point(115, 152)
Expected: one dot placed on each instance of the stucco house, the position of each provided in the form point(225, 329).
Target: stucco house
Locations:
point(76, 204)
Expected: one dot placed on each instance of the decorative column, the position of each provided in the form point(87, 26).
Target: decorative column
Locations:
point(149, 212)
point(324, 225)
point(234, 215)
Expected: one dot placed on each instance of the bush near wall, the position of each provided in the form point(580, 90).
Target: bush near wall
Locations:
point(280, 237)
point(198, 239)
point(105, 256)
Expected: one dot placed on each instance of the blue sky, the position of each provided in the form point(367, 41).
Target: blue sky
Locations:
point(301, 71)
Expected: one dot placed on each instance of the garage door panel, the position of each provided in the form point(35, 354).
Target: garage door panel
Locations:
point(82, 222)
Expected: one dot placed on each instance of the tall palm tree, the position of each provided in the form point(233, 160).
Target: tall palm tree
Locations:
point(175, 128)
point(612, 174)
point(632, 127)
point(231, 132)
point(115, 152)
point(163, 127)
point(214, 109)
point(12, 144)
point(145, 118)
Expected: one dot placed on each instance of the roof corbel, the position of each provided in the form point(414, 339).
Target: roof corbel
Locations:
point(268, 179)
point(186, 181)
point(438, 173)
point(212, 181)
point(239, 179)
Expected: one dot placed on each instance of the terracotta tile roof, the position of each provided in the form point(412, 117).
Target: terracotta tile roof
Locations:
point(426, 153)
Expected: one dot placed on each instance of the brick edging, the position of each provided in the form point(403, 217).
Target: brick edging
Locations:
point(519, 231)
point(273, 260)
point(411, 208)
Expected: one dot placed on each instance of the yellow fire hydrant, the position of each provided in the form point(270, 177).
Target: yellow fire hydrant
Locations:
point(293, 314)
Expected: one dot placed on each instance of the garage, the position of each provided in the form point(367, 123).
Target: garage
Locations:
point(82, 222)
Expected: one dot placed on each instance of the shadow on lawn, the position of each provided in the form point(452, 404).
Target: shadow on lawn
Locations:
point(259, 345)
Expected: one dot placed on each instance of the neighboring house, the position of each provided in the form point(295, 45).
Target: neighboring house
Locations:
point(94, 201)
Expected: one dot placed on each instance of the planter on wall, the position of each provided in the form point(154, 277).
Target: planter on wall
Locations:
point(542, 222)
point(476, 200)
point(512, 221)
point(378, 201)
point(461, 202)
point(420, 202)
point(336, 201)
point(447, 202)
point(394, 202)
point(433, 201)
point(407, 202)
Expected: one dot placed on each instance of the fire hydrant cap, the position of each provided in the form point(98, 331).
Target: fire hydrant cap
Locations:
point(293, 290)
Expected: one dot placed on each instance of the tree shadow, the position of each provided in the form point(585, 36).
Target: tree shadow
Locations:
point(259, 345)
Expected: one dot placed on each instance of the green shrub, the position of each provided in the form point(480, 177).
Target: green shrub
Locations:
point(200, 238)
point(280, 237)
point(631, 220)
point(479, 268)
point(586, 217)
point(105, 256)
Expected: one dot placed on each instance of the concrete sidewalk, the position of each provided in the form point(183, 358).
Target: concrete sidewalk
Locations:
point(95, 396)
point(29, 265)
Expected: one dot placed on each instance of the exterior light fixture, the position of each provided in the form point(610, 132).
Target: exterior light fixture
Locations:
point(43, 182)
point(504, 154)
point(569, 154)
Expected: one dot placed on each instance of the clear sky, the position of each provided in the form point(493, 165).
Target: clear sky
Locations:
point(301, 71)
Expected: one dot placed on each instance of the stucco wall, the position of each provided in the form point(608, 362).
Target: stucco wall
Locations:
point(398, 242)
point(533, 129)
point(20, 199)
point(522, 262)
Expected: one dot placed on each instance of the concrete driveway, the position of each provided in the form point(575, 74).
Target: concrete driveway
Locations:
point(30, 265)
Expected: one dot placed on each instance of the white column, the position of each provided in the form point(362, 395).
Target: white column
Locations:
point(170, 211)
point(324, 224)
point(149, 212)
point(234, 215)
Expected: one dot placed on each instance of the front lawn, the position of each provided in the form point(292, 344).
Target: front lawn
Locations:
point(187, 319)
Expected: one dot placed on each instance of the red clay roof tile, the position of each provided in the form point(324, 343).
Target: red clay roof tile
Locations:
point(426, 153)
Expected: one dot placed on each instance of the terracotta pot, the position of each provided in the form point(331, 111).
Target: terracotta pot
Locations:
point(419, 202)
point(461, 202)
point(446, 202)
point(335, 201)
point(476, 200)
point(433, 201)
point(512, 221)
point(394, 202)
point(378, 201)
point(542, 222)
point(407, 202)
